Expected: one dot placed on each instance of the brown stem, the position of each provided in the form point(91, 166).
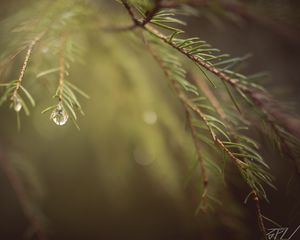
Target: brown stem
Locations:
point(131, 13)
point(259, 215)
point(62, 68)
point(214, 101)
point(25, 63)
point(193, 130)
point(152, 13)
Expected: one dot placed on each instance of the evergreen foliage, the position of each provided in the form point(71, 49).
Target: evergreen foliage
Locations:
point(51, 37)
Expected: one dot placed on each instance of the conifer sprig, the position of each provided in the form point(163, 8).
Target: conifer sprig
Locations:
point(216, 130)
point(222, 66)
point(28, 54)
point(242, 154)
point(12, 88)
point(49, 27)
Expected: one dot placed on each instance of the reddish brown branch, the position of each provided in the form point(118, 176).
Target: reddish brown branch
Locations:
point(259, 215)
point(152, 13)
point(204, 174)
point(62, 66)
point(26, 60)
point(131, 13)
point(261, 99)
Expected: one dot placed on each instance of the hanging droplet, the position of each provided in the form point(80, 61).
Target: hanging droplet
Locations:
point(17, 103)
point(59, 115)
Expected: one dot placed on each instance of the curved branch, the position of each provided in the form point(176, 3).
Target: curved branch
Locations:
point(261, 99)
point(25, 63)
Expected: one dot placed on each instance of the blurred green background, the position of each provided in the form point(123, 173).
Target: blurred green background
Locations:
point(122, 175)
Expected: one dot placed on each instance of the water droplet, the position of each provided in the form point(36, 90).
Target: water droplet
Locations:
point(17, 103)
point(59, 115)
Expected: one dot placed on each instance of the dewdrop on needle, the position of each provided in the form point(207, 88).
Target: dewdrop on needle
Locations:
point(59, 115)
point(17, 103)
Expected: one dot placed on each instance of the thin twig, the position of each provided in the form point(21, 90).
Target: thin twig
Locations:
point(25, 63)
point(259, 215)
point(152, 13)
point(62, 67)
point(204, 174)
point(131, 13)
point(136, 22)
point(214, 101)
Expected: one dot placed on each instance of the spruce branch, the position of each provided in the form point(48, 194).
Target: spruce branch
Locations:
point(216, 104)
point(25, 63)
point(200, 53)
point(136, 22)
point(204, 111)
point(281, 140)
point(244, 155)
point(149, 15)
point(260, 98)
point(67, 99)
point(62, 65)
point(192, 108)
point(13, 87)
point(239, 158)
point(260, 217)
point(204, 175)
